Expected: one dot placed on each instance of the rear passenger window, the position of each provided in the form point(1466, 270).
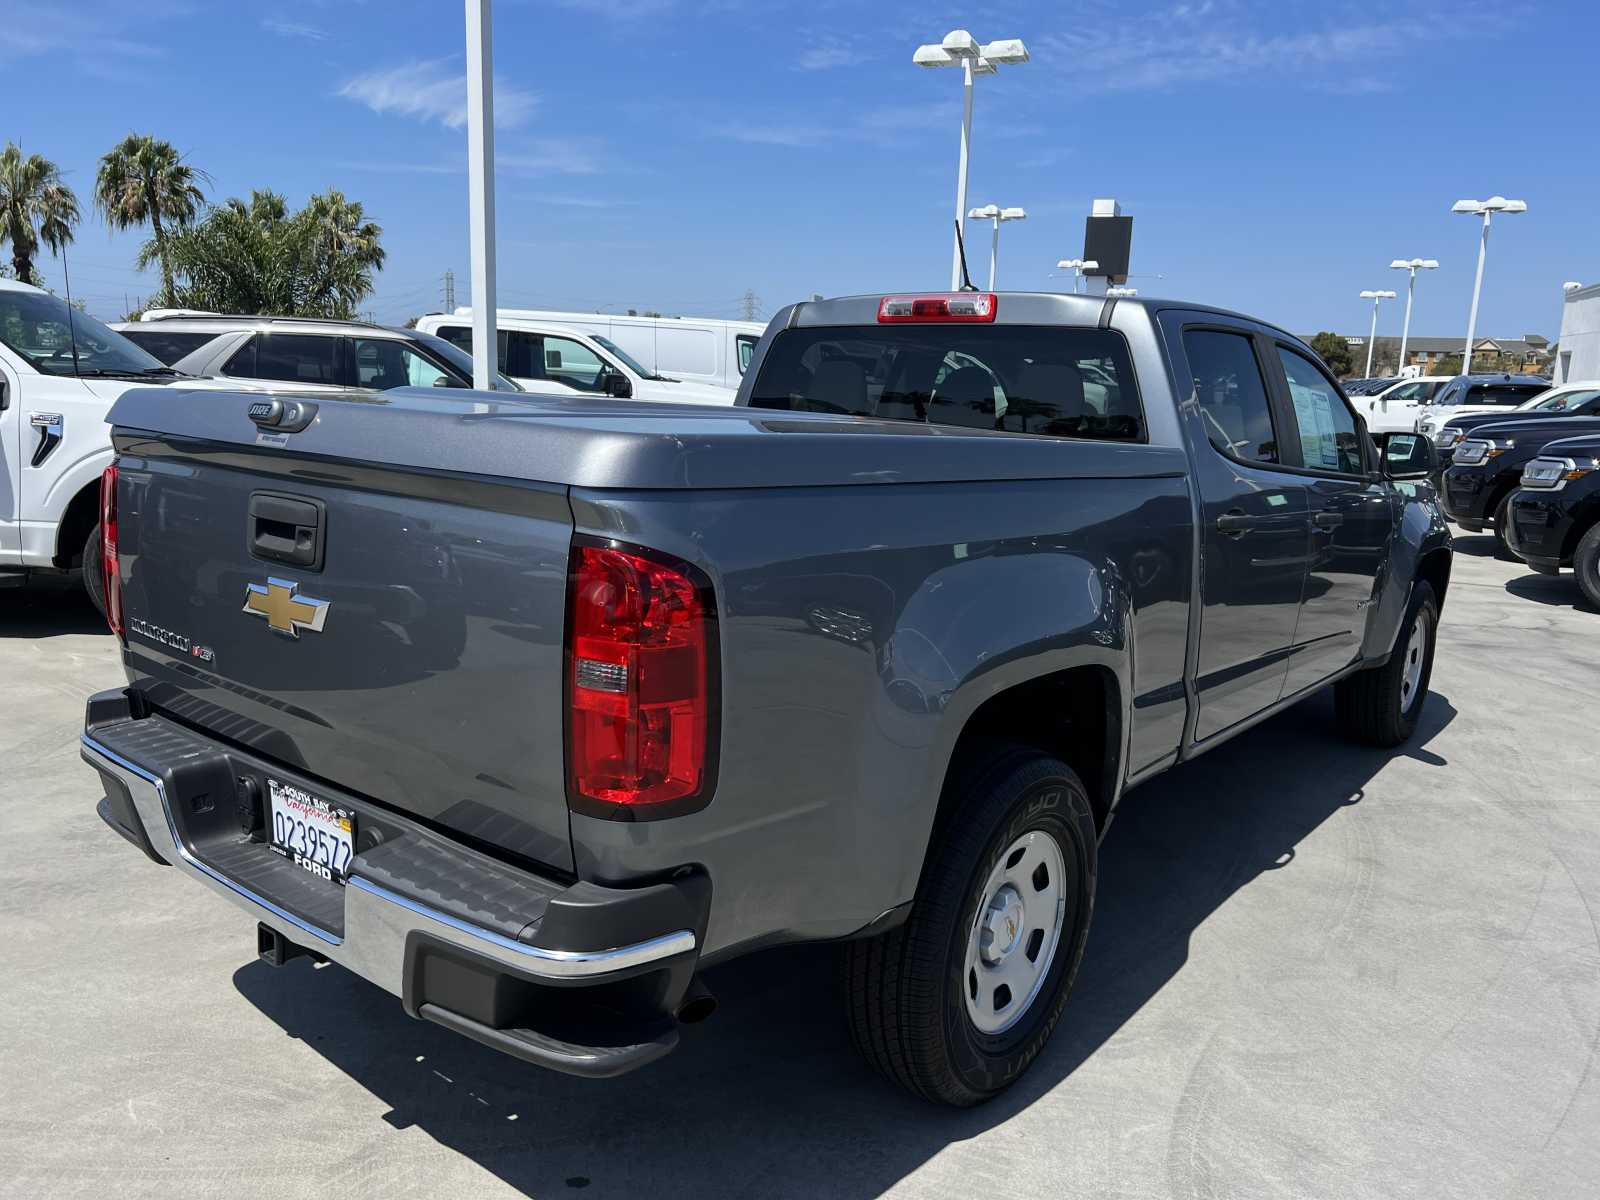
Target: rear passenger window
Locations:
point(1329, 440)
point(1054, 382)
point(297, 357)
point(1232, 394)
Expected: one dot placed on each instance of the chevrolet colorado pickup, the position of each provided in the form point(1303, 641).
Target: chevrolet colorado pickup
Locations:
point(530, 710)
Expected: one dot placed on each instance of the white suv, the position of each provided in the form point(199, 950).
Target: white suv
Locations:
point(1396, 408)
point(558, 360)
point(303, 353)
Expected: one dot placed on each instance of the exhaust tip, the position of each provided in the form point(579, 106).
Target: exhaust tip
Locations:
point(697, 1004)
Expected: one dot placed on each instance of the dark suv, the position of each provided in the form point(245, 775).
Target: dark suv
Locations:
point(1555, 514)
point(1476, 488)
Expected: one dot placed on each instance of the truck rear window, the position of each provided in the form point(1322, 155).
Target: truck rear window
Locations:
point(1045, 380)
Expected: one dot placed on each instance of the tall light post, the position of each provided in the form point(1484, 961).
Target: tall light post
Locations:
point(961, 49)
point(1372, 338)
point(1078, 266)
point(480, 191)
point(1485, 209)
point(1413, 265)
point(993, 212)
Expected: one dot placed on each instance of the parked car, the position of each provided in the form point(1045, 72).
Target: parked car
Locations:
point(702, 350)
point(60, 369)
point(1477, 393)
point(871, 657)
point(1395, 408)
point(1367, 387)
point(1450, 427)
point(1555, 515)
point(1475, 490)
point(316, 354)
point(555, 360)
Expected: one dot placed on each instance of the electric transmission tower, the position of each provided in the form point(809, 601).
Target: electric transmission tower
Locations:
point(751, 304)
point(449, 291)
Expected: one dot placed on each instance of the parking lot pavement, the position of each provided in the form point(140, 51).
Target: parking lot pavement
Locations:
point(1315, 971)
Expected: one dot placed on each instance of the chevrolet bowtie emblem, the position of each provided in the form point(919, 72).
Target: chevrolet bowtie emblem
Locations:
point(285, 612)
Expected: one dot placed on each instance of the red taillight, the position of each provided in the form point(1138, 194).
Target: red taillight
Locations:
point(641, 659)
point(110, 573)
point(951, 306)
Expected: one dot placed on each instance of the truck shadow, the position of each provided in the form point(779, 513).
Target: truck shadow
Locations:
point(1559, 590)
point(49, 607)
point(769, 1098)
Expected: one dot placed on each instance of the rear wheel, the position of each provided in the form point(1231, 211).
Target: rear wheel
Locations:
point(1502, 530)
point(1381, 705)
point(93, 581)
point(1586, 565)
point(956, 1004)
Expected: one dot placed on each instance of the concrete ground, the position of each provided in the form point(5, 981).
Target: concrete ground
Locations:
point(1315, 971)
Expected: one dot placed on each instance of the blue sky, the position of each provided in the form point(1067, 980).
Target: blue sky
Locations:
point(673, 153)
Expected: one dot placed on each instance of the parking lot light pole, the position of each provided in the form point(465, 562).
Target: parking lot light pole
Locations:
point(1077, 266)
point(993, 212)
point(1485, 209)
point(1413, 265)
point(480, 190)
point(961, 49)
point(1372, 338)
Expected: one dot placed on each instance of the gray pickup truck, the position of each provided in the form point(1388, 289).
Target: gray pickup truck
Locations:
point(528, 711)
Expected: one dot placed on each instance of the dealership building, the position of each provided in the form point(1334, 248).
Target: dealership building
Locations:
point(1578, 348)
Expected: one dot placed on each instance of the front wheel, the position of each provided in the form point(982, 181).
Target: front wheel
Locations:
point(1586, 565)
point(1502, 531)
point(955, 1004)
point(1381, 705)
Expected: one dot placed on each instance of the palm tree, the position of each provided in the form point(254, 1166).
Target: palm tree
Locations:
point(35, 206)
point(143, 181)
point(348, 250)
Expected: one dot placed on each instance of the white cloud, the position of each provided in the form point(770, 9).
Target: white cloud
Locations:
point(829, 55)
point(430, 90)
point(294, 29)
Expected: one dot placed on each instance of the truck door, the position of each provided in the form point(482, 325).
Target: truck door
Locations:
point(1254, 526)
point(10, 464)
point(1352, 519)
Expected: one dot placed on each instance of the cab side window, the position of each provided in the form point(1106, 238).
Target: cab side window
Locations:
point(1232, 394)
point(1329, 438)
point(574, 364)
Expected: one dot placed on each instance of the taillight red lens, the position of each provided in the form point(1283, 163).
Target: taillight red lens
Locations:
point(110, 573)
point(641, 655)
point(952, 306)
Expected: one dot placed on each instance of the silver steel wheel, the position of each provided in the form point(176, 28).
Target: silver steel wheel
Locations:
point(1416, 656)
point(1015, 932)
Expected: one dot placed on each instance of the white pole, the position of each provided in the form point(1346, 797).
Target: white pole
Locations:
point(994, 252)
point(1405, 330)
point(1372, 338)
point(480, 190)
point(1477, 286)
point(961, 172)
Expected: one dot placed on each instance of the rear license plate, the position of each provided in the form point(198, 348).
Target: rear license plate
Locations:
point(310, 832)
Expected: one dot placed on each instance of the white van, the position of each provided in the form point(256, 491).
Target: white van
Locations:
point(550, 359)
point(693, 349)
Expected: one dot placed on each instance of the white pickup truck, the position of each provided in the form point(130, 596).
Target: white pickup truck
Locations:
point(60, 371)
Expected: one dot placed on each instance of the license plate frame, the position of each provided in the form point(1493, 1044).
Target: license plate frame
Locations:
point(312, 833)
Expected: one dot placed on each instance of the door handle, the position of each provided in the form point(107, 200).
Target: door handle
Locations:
point(1235, 522)
point(287, 529)
point(1327, 520)
point(49, 426)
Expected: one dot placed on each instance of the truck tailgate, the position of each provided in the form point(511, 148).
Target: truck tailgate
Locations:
point(394, 631)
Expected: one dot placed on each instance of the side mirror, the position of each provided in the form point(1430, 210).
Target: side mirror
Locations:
point(618, 387)
point(1408, 456)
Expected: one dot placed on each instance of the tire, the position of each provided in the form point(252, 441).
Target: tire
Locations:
point(1381, 705)
point(1502, 530)
point(93, 582)
point(912, 999)
point(1586, 565)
